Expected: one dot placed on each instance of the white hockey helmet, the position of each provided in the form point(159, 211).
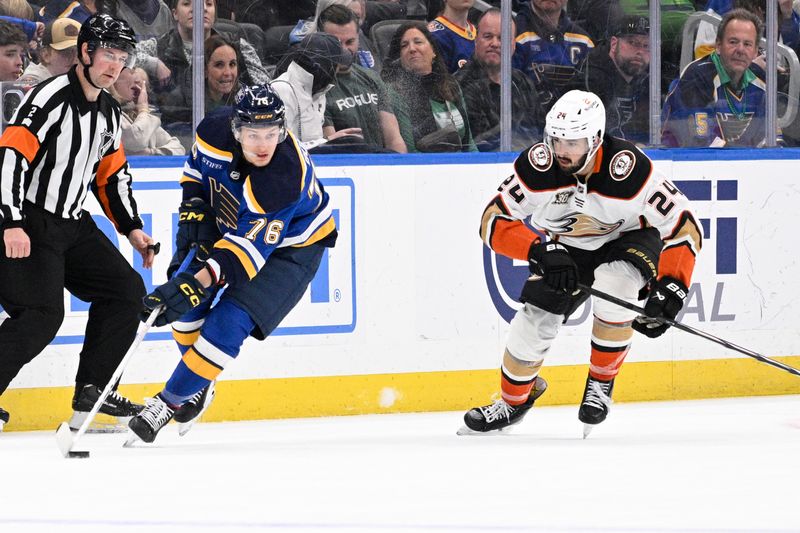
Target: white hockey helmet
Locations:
point(577, 115)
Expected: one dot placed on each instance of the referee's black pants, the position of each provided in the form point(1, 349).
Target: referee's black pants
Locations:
point(76, 255)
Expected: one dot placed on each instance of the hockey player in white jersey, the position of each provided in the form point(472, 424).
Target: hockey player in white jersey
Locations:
point(613, 223)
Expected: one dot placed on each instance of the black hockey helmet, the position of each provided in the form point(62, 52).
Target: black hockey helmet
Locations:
point(258, 106)
point(104, 31)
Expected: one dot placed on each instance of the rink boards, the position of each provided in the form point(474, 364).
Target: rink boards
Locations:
point(409, 312)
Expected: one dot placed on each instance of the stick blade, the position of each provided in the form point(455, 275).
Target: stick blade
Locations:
point(64, 439)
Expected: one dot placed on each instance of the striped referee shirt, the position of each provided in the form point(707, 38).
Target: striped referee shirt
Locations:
point(57, 146)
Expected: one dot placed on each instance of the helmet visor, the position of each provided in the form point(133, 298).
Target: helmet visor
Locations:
point(116, 53)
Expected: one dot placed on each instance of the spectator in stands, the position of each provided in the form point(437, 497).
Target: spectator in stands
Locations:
point(222, 59)
point(788, 20)
point(480, 83)
point(454, 33)
point(366, 56)
point(304, 76)
point(551, 50)
point(436, 109)
point(167, 59)
point(148, 18)
point(13, 45)
point(673, 16)
point(142, 133)
point(619, 73)
point(719, 99)
point(21, 13)
point(597, 17)
point(79, 10)
point(360, 98)
point(58, 52)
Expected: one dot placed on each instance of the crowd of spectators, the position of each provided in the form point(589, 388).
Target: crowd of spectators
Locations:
point(424, 75)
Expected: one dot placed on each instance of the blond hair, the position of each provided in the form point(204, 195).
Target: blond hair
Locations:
point(20, 9)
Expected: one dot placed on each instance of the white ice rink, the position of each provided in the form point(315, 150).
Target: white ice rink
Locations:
point(712, 465)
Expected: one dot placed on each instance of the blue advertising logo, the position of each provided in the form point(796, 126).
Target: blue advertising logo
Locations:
point(333, 286)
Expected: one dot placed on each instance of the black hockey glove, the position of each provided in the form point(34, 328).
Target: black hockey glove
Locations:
point(665, 300)
point(553, 262)
point(197, 226)
point(179, 295)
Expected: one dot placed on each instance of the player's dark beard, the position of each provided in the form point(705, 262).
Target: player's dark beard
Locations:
point(572, 169)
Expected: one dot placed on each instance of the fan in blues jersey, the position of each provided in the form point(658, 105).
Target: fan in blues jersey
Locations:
point(719, 100)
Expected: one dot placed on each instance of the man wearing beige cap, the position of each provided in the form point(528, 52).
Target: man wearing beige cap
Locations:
point(58, 51)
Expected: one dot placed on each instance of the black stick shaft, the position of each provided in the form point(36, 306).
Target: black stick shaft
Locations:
point(689, 329)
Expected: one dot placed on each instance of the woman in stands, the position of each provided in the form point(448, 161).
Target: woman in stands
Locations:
point(435, 105)
point(222, 60)
point(142, 133)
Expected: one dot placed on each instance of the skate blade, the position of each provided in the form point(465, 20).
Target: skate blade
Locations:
point(466, 431)
point(184, 427)
point(105, 423)
point(587, 428)
point(131, 440)
point(1, 425)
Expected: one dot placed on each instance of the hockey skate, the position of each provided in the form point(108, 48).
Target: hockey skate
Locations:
point(146, 425)
point(187, 414)
point(595, 404)
point(114, 405)
point(499, 415)
point(4, 416)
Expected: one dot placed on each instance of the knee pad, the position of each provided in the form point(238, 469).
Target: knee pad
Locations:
point(620, 279)
point(532, 332)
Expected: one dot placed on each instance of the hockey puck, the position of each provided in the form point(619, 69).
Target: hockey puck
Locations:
point(79, 455)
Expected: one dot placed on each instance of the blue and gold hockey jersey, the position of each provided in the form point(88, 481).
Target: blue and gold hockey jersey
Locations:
point(703, 109)
point(258, 209)
point(553, 58)
point(456, 44)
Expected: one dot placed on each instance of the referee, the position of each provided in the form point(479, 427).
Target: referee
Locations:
point(63, 141)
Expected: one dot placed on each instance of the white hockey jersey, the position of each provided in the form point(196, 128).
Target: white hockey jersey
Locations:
point(623, 193)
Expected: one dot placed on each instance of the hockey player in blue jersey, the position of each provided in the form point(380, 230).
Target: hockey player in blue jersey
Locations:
point(260, 221)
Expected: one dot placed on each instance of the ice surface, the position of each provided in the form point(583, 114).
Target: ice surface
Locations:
point(710, 465)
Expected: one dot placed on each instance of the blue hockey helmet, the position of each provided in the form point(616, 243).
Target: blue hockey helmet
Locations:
point(258, 106)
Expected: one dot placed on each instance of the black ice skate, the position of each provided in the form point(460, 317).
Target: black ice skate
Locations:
point(146, 425)
point(4, 416)
point(595, 404)
point(114, 405)
point(500, 415)
point(187, 414)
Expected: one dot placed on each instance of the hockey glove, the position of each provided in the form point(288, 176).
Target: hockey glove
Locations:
point(197, 226)
point(179, 295)
point(553, 262)
point(665, 301)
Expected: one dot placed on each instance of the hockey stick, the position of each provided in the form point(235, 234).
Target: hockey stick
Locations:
point(66, 441)
point(689, 329)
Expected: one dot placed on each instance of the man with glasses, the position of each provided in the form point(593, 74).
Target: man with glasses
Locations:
point(619, 73)
point(63, 141)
